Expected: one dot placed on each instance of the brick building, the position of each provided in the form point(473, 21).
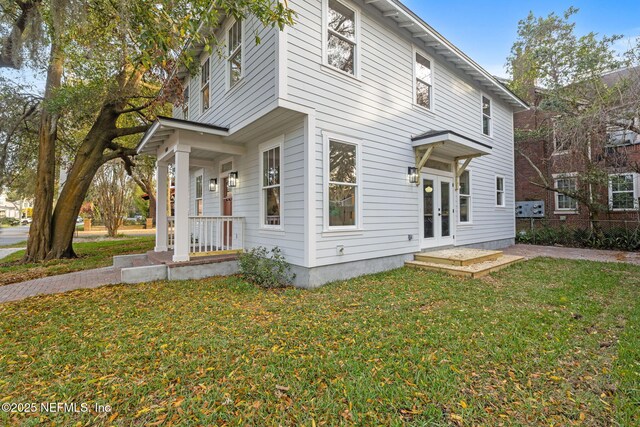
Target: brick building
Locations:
point(617, 153)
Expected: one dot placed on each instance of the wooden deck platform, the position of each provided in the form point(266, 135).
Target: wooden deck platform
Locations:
point(466, 262)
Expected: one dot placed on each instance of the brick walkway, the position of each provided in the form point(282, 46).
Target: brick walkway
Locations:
point(57, 284)
point(532, 251)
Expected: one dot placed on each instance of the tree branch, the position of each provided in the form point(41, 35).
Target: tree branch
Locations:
point(117, 133)
point(8, 54)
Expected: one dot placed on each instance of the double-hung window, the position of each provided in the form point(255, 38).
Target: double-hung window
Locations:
point(185, 102)
point(500, 191)
point(341, 33)
point(343, 185)
point(622, 191)
point(567, 184)
point(271, 172)
point(486, 116)
point(199, 207)
point(234, 63)
point(423, 81)
point(204, 84)
point(464, 193)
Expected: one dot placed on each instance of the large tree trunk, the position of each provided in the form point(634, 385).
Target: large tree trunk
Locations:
point(88, 160)
point(152, 206)
point(39, 240)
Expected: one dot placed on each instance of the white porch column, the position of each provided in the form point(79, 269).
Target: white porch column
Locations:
point(161, 207)
point(181, 204)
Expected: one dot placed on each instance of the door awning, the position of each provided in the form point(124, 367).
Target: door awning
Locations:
point(447, 144)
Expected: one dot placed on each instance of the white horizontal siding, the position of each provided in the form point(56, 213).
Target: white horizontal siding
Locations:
point(250, 95)
point(378, 109)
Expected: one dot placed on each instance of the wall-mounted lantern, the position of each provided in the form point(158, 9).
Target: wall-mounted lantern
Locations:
point(213, 184)
point(232, 181)
point(412, 173)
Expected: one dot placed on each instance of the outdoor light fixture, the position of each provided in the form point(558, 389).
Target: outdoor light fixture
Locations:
point(413, 175)
point(213, 184)
point(232, 181)
point(428, 189)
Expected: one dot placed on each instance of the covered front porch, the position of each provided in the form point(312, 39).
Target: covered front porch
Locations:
point(182, 227)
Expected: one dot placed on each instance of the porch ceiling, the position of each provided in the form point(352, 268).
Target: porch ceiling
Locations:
point(449, 144)
point(165, 127)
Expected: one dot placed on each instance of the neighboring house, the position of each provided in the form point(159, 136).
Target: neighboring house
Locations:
point(13, 209)
point(351, 141)
point(617, 152)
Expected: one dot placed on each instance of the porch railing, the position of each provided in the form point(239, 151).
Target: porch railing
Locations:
point(215, 233)
point(171, 231)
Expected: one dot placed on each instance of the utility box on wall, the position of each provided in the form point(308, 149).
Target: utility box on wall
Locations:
point(530, 209)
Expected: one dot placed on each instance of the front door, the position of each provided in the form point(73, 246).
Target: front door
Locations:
point(437, 211)
point(227, 210)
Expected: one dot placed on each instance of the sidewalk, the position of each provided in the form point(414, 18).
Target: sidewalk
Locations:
point(86, 279)
point(532, 251)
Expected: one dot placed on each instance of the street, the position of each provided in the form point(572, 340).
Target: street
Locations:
point(11, 235)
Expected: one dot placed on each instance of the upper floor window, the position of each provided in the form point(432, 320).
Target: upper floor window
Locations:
point(185, 103)
point(622, 191)
point(235, 53)
point(560, 144)
point(567, 184)
point(204, 84)
point(486, 116)
point(464, 193)
point(271, 196)
point(343, 184)
point(341, 35)
point(423, 81)
point(500, 191)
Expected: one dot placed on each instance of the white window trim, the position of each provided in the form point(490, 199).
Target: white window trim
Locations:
point(265, 146)
point(556, 177)
point(416, 51)
point(504, 191)
point(470, 222)
point(330, 136)
point(202, 86)
point(491, 116)
point(221, 176)
point(325, 39)
point(554, 142)
point(227, 65)
point(186, 104)
point(199, 173)
point(636, 192)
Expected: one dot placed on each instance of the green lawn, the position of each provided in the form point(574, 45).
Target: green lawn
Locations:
point(90, 255)
point(546, 342)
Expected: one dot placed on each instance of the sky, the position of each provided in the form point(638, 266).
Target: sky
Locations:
point(487, 33)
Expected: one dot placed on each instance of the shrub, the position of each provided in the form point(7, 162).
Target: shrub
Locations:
point(267, 271)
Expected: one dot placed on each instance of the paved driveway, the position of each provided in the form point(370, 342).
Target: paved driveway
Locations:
point(11, 235)
point(532, 251)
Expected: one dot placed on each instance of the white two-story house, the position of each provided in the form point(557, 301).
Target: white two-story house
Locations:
point(351, 140)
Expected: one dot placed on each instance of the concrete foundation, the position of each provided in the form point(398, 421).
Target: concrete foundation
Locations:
point(309, 278)
point(125, 261)
point(187, 272)
point(147, 273)
point(493, 245)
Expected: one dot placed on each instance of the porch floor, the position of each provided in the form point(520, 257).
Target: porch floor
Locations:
point(166, 258)
point(466, 262)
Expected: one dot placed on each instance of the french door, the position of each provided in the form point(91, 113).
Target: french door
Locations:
point(438, 219)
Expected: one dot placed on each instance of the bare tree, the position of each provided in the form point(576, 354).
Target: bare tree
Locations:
point(111, 194)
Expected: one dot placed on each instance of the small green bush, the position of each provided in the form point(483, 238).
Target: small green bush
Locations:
point(267, 269)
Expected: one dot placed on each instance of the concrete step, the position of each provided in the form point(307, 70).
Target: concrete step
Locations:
point(458, 256)
point(475, 270)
